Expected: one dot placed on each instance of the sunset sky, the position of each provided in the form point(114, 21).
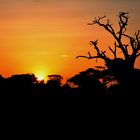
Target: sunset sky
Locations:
point(45, 36)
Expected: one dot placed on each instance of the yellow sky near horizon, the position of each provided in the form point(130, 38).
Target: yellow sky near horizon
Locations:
point(45, 36)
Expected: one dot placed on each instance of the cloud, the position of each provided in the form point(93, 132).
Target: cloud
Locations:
point(64, 55)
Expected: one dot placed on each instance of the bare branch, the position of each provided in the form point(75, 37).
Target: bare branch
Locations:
point(135, 43)
point(100, 54)
point(96, 21)
point(111, 50)
point(126, 46)
point(115, 50)
point(132, 40)
point(94, 43)
point(123, 20)
point(87, 57)
point(107, 26)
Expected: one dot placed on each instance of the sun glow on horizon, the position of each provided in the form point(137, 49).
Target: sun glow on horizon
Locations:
point(41, 76)
point(44, 37)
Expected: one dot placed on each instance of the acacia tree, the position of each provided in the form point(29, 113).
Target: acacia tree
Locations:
point(130, 50)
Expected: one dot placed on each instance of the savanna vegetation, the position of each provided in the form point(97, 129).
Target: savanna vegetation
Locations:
point(118, 77)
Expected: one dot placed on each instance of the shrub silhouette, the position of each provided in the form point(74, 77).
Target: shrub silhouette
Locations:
point(87, 83)
point(19, 85)
point(53, 85)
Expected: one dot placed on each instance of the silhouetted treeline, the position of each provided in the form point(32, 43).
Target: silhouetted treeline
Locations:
point(118, 78)
point(89, 83)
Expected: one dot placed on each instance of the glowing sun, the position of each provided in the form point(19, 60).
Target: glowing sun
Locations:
point(40, 77)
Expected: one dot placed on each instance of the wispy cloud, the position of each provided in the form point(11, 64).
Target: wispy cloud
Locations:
point(64, 55)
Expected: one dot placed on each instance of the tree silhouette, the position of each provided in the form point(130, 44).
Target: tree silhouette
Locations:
point(133, 44)
point(53, 85)
point(87, 83)
point(122, 68)
point(21, 84)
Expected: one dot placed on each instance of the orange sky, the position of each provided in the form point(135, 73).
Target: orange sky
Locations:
point(45, 36)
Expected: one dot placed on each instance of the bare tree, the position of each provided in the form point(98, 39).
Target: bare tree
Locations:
point(130, 50)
